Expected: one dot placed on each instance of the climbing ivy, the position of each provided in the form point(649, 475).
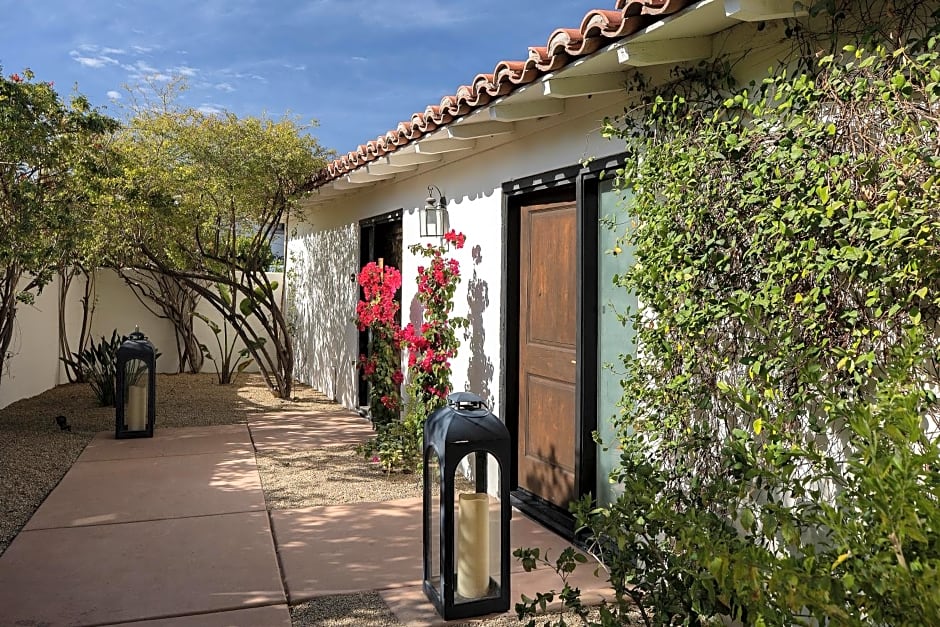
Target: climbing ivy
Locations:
point(779, 425)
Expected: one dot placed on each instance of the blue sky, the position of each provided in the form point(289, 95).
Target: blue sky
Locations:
point(357, 67)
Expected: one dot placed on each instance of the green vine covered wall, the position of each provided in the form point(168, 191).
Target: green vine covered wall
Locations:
point(779, 423)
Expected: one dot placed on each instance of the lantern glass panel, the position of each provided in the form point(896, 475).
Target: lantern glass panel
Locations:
point(431, 220)
point(136, 393)
point(433, 523)
point(477, 528)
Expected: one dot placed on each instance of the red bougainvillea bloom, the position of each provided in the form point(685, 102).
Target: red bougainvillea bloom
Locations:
point(16, 78)
point(433, 344)
point(379, 286)
point(378, 312)
point(455, 238)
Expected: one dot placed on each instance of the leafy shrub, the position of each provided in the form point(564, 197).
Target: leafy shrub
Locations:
point(229, 363)
point(779, 432)
point(377, 313)
point(98, 365)
point(398, 443)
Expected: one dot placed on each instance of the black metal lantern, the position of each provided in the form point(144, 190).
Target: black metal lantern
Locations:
point(434, 215)
point(135, 393)
point(466, 509)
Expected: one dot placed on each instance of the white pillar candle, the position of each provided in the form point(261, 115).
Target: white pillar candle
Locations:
point(136, 411)
point(473, 546)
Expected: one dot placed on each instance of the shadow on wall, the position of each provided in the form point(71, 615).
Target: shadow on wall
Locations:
point(480, 370)
point(321, 309)
point(416, 312)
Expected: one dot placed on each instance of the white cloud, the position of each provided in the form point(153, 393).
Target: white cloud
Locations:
point(210, 109)
point(143, 67)
point(229, 73)
point(184, 70)
point(114, 95)
point(96, 61)
point(143, 70)
point(226, 87)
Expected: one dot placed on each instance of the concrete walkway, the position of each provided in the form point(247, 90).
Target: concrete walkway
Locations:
point(173, 530)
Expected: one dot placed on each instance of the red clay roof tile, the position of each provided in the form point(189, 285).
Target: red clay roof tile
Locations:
point(598, 28)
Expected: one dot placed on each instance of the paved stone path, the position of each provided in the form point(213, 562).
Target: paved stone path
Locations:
point(173, 530)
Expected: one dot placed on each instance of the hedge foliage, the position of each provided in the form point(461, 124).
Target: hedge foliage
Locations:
point(779, 423)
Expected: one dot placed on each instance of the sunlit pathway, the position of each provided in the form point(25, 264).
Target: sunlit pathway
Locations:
point(173, 531)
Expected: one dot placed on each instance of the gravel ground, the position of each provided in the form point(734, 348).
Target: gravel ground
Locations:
point(331, 475)
point(367, 609)
point(35, 454)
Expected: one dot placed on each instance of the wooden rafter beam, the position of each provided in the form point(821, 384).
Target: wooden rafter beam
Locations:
point(665, 52)
point(472, 130)
point(575, 86)
point(765, 10)
point(436, 146)
point(512, 112)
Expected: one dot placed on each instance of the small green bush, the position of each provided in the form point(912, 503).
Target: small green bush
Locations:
point(397, 445)
point(98, 365)
point(779, 425)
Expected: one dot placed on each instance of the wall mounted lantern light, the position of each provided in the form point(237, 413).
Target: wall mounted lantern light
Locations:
point(434, 214)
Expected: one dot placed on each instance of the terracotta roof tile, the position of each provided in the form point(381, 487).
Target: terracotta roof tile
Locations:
point(598, 28)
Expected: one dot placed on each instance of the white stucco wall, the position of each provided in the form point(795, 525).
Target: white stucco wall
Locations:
point(322, 296)
point(34, 363)
point(324, 254)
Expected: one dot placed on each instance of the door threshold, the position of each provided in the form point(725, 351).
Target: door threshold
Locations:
point(547, 514)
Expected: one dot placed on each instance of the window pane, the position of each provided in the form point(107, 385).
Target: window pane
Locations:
point(614, 337)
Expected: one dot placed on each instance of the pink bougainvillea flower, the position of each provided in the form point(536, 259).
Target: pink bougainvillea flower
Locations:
point(455, 238)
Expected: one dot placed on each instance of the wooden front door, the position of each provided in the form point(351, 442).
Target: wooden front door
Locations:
point(547, 351)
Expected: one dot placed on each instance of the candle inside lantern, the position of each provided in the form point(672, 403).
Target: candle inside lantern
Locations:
point(137, 407)
point(473, 550)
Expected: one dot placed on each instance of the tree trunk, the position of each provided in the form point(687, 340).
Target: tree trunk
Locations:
point(277, 365)
point(8, 283)
point(72, 371)
point(170, 298)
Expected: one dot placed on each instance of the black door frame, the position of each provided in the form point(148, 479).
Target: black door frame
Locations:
point(557, 185)
point(367, 232)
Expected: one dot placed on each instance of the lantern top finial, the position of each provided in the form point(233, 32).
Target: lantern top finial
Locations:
point(466, 400)
point(465, 419)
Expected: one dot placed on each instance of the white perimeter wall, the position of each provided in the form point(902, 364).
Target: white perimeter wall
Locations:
point(34, 366)
point(324, 253)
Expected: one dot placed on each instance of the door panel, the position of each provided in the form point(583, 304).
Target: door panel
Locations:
point(547, 351)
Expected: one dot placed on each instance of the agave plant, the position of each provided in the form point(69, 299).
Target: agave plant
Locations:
point(98, 365)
